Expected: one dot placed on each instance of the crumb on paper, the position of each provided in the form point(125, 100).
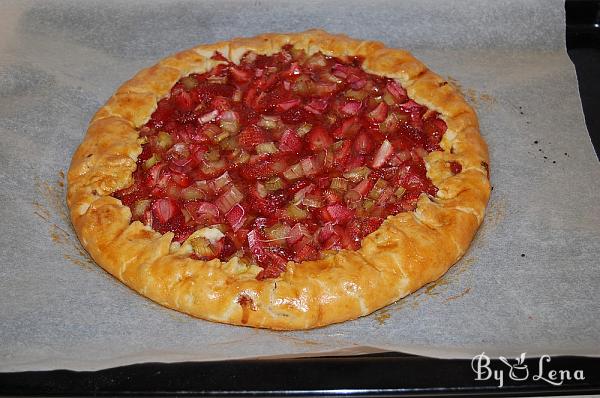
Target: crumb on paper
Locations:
point(457, 296)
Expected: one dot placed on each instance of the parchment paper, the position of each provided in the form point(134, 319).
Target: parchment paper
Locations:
point(530, 282)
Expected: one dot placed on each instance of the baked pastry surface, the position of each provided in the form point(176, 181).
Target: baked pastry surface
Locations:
point(407, 251)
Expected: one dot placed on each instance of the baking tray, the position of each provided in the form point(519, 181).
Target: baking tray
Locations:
point(385, 374)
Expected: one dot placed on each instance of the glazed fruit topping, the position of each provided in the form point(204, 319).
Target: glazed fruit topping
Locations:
point(281, 158)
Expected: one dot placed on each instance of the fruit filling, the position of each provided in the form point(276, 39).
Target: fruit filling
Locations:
point(281, 158)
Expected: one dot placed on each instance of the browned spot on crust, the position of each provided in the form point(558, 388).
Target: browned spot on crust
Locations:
point(247, 305)
point(457, 296)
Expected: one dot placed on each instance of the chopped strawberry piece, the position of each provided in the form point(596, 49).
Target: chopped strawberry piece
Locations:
point(267, 82)
point(252, 136)
point(318, 138)
point(348, 128)
point(181, 180)
point(153, 175)
point(324, 89)
point(455, 167)
point(356, 82)
point(363, 187)
point(339, 213)
point(182, 165)
point(183, 101)
point(165, 209)
point(416, 113)
point(363, 144)
point(294, 70)
point(325, 232)
point(434, 128)
point(342, 71)
point(259, 170)
point(306, 253)
point(296, 115)
point(361, 227)
point(290, 142)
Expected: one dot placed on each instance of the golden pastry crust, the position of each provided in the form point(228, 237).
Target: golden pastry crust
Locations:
point(407, 251)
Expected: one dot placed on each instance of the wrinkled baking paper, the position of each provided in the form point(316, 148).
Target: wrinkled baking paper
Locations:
point(530, 282)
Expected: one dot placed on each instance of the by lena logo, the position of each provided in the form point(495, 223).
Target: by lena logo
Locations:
point(519, 371)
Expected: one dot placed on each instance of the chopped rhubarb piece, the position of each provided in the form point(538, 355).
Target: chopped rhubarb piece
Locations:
point(229, 198)
point(317, 106)
point(165, 209)
point(351, 108)
point(208, 117)
point(203, 213)
point(357, 83)
point(397, 91)
point(284, 106)
point(383, 154)
point(236, 217)
point(379, 114)
point(240, 75)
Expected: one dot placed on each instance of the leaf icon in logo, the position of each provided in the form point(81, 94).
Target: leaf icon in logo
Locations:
point(505, 361)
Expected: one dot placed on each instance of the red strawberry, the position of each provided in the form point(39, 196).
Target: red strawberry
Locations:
point(183, 101)
point(363, 144)
point(290, 142)
point(306, 253)
point(361, 227)
point(261, 205)
point(252, 136)
point(339, 213)
point(434, 128)
point(318, 138)
point(259, 170)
